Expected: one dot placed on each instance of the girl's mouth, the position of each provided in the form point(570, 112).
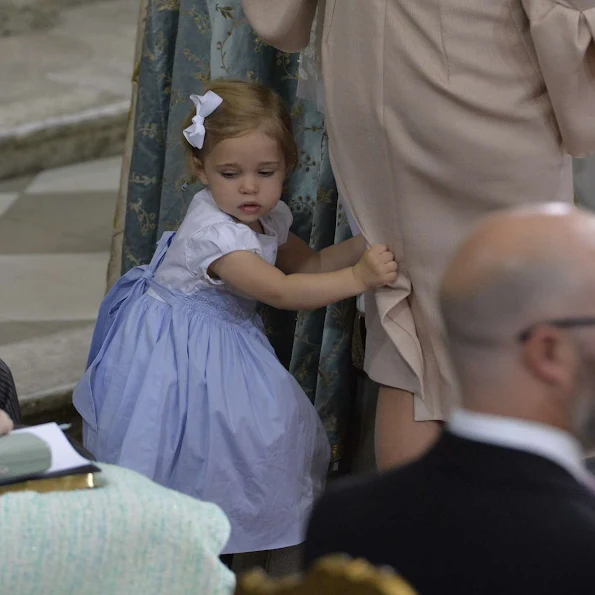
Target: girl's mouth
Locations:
point(250, 208)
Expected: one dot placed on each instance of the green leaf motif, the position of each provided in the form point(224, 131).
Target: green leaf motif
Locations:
point(225, 11)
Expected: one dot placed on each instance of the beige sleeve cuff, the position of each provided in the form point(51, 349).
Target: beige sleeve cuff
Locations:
point(563, 32)
point(284, 24)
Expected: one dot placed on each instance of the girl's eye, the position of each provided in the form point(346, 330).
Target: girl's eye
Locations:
point(266, 173)
point(229, 174)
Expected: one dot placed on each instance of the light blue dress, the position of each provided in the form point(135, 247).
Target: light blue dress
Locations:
point(183, 386)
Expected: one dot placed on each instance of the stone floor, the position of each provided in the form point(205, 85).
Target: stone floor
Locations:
point(69, 89)
point(55, 233)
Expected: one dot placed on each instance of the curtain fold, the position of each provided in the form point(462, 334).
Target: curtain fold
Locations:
point(115, 261)
point(584, 182)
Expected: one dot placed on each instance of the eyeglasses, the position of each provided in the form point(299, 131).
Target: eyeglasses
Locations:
point(560, 323)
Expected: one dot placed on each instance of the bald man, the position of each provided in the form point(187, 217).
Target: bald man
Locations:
point(502, 503)
point(438, 113)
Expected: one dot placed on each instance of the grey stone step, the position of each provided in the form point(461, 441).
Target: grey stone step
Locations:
point(48, 365)
point(56, 141)
point(23, 16)
point(20, 16)
point(46, 370)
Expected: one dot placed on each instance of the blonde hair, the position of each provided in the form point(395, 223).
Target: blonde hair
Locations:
point(246, 107)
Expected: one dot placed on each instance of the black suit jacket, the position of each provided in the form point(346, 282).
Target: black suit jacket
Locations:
point(467, 518)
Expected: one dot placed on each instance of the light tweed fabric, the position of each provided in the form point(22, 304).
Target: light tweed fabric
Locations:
point(130, 537)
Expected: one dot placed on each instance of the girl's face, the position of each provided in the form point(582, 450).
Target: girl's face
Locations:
point(245, 175)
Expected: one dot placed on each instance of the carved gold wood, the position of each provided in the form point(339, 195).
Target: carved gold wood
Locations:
point(333, 575)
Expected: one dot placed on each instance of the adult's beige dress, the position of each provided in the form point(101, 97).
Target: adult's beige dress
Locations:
point(439, 112)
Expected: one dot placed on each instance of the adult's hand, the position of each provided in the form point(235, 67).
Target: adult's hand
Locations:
point(6, 424)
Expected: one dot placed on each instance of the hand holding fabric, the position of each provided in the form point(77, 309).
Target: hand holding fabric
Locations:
point(376, 268)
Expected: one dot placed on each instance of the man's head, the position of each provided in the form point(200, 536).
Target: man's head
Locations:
point(518, 302)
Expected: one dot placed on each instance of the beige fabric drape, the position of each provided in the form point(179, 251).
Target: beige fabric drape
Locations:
point(439, 113)
point(115, 261)
point(563, 32)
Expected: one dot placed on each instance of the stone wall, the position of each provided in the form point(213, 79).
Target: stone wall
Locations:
point(20, 16)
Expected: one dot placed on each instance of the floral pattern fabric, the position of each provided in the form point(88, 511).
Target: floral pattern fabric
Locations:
point(185, 44)
point(584, 182)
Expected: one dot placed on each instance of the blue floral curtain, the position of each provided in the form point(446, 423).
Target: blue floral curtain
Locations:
point(184, 46)
point(584, 182)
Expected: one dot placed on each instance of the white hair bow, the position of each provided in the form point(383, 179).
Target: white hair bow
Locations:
point(205, 106)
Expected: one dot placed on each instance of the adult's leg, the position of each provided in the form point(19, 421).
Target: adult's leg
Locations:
point(398, 437)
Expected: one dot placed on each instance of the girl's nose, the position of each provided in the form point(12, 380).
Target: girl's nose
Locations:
point(249, 185)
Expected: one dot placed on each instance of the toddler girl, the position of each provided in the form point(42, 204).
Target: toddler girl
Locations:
point(182, 385)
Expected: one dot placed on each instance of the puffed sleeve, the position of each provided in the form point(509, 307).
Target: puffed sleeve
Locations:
point(215, 241)
point(563, 33)
point(284, 24)
point(280, 220)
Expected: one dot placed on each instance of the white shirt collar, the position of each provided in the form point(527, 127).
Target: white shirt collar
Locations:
point(548, 442)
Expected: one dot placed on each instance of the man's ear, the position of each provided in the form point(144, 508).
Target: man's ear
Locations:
point(551, 357)
point(200, 170)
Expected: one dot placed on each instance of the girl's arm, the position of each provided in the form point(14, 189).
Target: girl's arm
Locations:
point(250, 275)
point(295, 256)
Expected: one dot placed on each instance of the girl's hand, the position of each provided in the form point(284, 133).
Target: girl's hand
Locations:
point(376, 268)
point(249, 275)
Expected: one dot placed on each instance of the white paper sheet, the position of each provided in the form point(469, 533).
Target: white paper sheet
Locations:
point(64, 457)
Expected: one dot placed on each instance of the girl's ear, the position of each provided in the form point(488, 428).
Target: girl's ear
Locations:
point(200, 170)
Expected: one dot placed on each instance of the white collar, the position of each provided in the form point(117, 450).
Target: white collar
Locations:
point(546, 441)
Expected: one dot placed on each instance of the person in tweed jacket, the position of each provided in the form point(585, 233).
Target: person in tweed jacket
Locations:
point(10, 412)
